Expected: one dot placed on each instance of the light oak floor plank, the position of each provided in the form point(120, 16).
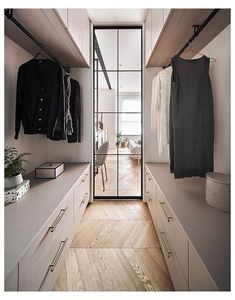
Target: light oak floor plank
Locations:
point(115, 249)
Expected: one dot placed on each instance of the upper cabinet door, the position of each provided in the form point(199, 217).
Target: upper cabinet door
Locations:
point(75, 25)
point(148, 37)
point(79, 29)
point(157, 24)
point(63, 14)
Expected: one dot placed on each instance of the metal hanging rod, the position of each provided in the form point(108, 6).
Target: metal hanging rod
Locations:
point(9, 14)
point(197, 30)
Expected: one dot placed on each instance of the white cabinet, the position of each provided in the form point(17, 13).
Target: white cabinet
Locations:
point(151, 196)
point(154, 24)
point(199, 279)
point(79, 29)
point(63, 15)
point(12, 281)
point(157, 24)
point(48, 215)
point(176, 208)
point(148, 36)
point(166, 12)
point(41, 260)
point(170, 254)
point(81, 197)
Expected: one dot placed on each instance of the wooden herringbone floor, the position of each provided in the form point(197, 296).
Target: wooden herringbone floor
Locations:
point(115, 249)
point(128, 173)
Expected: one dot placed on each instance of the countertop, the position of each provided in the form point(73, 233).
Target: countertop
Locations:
point(25, 219)
point(208, 229)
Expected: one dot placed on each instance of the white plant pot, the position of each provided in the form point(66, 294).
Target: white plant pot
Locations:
point(13, 181)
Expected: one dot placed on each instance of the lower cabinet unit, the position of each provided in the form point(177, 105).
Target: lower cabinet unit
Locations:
point(199, 279)
point(12, 281)
point(43, 254)
point(178, 209)
point(48, 249)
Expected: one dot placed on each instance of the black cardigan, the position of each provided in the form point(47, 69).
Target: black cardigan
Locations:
point(39, 99)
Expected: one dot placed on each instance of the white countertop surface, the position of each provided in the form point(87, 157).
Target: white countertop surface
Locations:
point(24, 219)
point(207, 228)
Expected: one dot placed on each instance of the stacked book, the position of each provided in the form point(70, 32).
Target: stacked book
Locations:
point(14, 194)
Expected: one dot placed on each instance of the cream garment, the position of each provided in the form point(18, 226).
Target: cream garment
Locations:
point(161, 89)
point(155, 104)
point(165, 93)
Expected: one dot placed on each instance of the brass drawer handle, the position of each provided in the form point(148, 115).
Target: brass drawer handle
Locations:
point(148, 177)
point(165, 212)
point(57, 255)
point(169, 252)
point(147, 196)
point(58, 219)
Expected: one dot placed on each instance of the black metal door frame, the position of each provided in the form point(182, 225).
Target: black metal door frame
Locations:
point(96, 112)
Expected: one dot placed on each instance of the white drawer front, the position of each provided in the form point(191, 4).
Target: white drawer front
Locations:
point(179, 281)
point(175, 232)
point(80, 211)
point(81, 197)
point(151, 196)
point(199, 279)
point(55, 265)
point(34, 265)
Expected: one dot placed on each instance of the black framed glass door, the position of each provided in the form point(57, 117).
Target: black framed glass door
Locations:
point(117, 112)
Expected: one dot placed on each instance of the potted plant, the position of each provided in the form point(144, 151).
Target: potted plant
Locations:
point(13, 166)
point(118, 138)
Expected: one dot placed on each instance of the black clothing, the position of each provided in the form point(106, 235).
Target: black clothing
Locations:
point(39, 99)
point(75, 109)
point(191, 118)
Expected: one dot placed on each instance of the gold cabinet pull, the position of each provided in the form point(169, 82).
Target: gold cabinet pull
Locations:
point(58, 219)
point(165, 212)
point(58, 255)
point(169, 252)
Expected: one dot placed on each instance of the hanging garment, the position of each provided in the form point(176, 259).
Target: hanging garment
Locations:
point(64, 110)
point(161, 88)
point(75, 109)
point(155, 104)
point(165, 92)
point(39, 98)
point(191, 118)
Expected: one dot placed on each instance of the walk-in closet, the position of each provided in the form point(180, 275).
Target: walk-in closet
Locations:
point(117, 149)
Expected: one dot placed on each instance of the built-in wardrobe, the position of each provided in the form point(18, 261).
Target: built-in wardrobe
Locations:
point(194, 237)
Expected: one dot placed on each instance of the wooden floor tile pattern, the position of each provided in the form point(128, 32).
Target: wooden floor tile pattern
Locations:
point(115, 249)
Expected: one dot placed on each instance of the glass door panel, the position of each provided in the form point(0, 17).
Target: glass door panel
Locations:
point(129, 175)
point(117, 112)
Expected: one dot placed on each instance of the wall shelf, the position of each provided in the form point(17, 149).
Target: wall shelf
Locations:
point(47, 27)
point(178, 28)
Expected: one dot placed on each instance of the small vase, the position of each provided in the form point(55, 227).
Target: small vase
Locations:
point(11, 182)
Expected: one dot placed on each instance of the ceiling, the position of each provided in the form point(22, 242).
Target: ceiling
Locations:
point(117, 16)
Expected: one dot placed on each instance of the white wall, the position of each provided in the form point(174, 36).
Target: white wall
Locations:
point(14, 57)
point(219, 48)
point(76, 152)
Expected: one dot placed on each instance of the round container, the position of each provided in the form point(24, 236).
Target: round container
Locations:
point(11, 182)
point(218, 190)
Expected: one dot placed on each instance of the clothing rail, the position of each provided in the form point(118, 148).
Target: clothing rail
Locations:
point(197, 30)
point(9, 14)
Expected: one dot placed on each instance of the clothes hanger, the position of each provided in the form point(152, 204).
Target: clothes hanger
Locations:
point(40, 52)
point(191, 49)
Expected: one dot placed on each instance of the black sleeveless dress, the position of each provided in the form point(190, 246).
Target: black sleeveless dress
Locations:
point(191, 118)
